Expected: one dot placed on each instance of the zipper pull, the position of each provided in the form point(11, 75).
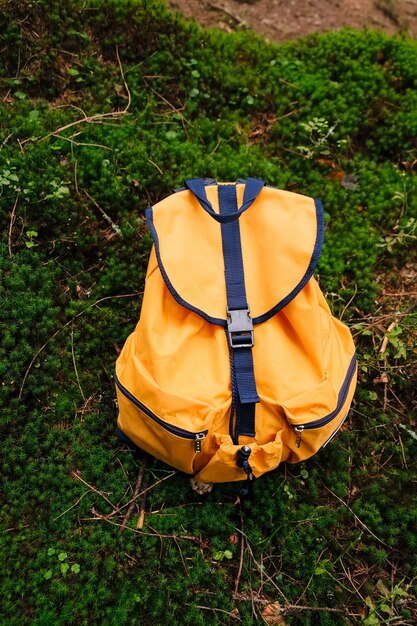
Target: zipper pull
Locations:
point(299, 431)
point(198, 438)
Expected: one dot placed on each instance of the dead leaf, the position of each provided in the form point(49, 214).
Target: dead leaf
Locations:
point(409, 165)
point(272, 615)
point(350, 182)
point(381, 379)
point(383, 590)
point(327, 162)
point(234, 539)
point(385, 340)
point(119, 89)
point(81, 292)
point(338, 175)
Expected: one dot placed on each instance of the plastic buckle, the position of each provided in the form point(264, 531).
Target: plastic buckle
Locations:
point(240, 328)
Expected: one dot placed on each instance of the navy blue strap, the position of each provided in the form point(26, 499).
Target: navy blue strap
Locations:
point(252, 189)
point(245, 378)
point(243, 369)
point(232, 250)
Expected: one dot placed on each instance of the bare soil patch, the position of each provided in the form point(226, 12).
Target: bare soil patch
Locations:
point(279, 20)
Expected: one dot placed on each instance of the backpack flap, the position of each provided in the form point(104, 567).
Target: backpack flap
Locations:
point(281, 235)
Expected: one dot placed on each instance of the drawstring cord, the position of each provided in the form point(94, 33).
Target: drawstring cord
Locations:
point(242, 461)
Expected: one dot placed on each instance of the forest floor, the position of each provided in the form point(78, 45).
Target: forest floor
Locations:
point(279, 20)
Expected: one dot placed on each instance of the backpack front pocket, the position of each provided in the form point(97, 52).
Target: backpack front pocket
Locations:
point(170, 443)
point(315, 417)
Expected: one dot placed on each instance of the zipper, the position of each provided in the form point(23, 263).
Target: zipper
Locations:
point(175, 430)
point(336, 431)
point(323, 421)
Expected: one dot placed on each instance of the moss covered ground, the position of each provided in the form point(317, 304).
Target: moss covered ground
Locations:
point(106, 107)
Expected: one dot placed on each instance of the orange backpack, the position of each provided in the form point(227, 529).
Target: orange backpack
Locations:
point(236, 363)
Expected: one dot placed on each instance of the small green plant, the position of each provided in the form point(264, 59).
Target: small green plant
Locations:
point(319, 133)
point(384, 610)
point(59, 191)
point(401, 235)
point(9, 179)
point(31, 239)
point(289, 492)
point(219, 555)
point(62, 567)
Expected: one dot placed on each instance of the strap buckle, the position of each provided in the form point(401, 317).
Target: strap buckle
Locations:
point(240, 328)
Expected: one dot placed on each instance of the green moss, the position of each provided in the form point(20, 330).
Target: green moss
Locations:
point(331, 116)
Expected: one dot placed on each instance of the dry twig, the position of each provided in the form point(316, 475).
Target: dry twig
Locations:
point(287, 607)
point(155, 165)
point(123, 506)
point(100, 516)
point(259, 566)
point(141, 518)
point(12, 219)
point(241, 23)
point(356, 517)
point(114, 226)
point(3, 143)
point(75, 365)
point(232, 614)
point(138, 486)
point(73, 505)
point(91, 488)
point(242, 554)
